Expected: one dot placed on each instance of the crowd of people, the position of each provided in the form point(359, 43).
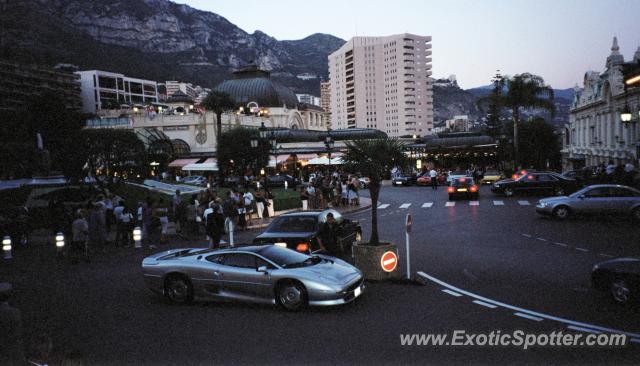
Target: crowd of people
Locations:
point(330, 189)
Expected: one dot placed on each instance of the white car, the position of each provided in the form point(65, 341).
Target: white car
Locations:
point(455, 175)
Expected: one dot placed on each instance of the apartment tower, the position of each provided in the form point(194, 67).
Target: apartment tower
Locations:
point(383, 83)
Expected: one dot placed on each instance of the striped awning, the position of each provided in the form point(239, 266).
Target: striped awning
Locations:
point(179, 163)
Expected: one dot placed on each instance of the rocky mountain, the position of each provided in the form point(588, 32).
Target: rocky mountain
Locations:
point(450, 100)
point(155, 39)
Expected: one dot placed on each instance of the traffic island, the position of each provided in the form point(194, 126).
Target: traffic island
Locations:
point(377, 262)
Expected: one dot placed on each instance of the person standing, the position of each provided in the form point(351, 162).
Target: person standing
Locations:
point(214, 222)
point(248, 205)
point(79, 237)
point(268, 195)
point(242, 219)
point(97, 227)
point(178, 211)
point(10, 329)
point(434, 178)
point(191, 215)
point(126, 227)
point(311, 196)
point(328, 237)
point(230, 212)
point(259, 204)
point(304, 198)
point(117, 214)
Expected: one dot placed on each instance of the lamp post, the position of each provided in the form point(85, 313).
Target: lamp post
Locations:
point(328, 143)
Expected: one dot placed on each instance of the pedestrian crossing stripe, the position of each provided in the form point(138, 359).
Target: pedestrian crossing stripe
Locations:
point(523, 203)
point(449, 204)
point(427, 205)
point(452, 204)
point(498, 203)
point(405, 205)
point(383, 206)
point(474, 203)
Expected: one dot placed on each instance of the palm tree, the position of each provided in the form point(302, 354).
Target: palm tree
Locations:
point(374, 159)
point(524, 91)
point(219, 102)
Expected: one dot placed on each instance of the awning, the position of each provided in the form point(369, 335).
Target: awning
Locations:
point(325, 161)
point(210, 164)
point(306, 156)
point(179, 163)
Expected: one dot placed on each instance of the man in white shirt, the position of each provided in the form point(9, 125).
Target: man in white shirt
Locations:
point(434, 178)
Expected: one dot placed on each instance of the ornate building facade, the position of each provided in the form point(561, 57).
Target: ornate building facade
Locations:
point(596, 133)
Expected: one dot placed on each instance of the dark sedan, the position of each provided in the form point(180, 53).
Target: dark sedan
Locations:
point(299, 231)
point(539, 183)
point(463, 187)
point(620, 277)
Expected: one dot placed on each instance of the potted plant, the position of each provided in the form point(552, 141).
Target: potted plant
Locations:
point(374, 159)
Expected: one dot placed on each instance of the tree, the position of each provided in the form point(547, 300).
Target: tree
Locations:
point(494, 106)
point(235, 151)
point(116, 151)
point(219, 102)
point(374, 159)
point(539, 145)
point(524, 91)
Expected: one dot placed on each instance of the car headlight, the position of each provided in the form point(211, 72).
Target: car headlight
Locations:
point(542, 204)
point(496, 185)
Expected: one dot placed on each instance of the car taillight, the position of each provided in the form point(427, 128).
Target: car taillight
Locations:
point(514, 177)
point(451, 189)
point(302, 247)
point(473, 189)
point(462, 180)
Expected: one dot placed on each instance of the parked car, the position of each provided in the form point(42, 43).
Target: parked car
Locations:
point(542, 183)
point(455, 175)
point(491, 176)
point(299, 231)
point(263, 274)
point(278, 180)
point(364, 182)
point(605, 199)
point(402, 179)
point(196, 180)
point(620, 277)
point(463, 187)
point(424, 179)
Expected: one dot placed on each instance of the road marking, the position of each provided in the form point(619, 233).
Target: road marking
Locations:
point(498, 203)
point(452, 293)
point(383, 206)
point(527, 236)
point(525, 311)
point(405, 205)
point(474, 203)
point(561, 244)
point(541, 239)
point(485, 304)
point(583, 329)
point(523, 203)
point(582, 249)
point(449, 204)
point(427, 205)
point(527, 316)
point(605, 255)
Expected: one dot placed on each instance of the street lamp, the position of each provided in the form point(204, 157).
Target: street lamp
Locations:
point(625, 115)
point(328, 143)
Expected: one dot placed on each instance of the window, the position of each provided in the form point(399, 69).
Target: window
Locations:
point(240, 260)
point(597, 192)
point(623, 192)
point(545, 178)
point(216, 258)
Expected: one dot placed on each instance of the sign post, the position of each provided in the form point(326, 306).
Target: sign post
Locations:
point(408, 223)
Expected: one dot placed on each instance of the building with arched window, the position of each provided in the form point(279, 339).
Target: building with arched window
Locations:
point(596, 133)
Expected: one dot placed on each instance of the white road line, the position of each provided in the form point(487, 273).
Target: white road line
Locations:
point(474, 203)
point(582, 249)
point(427, 205)
point(498, 203)
point(452, 293)
point(485, 304)
point(383, 206)
point(527, 316)
point(605, 255)
point(405, 205)
point(449, 204)
point(527, 235)
point(523, 203)
point(583, 329)
point(541, 239)
point(561, 244)
point(525, 311)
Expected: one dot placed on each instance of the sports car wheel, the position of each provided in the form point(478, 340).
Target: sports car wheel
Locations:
point(508, 192)
point(178, 289)
point(559, 191)
point(561, 212)
point(292, 296)
point(620, 291)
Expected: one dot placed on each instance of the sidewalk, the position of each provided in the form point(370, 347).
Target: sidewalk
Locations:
point(45, 236)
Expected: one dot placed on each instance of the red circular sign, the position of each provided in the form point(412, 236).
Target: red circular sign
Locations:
point(389, 261)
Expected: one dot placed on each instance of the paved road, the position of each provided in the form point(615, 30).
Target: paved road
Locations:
point(103, 309)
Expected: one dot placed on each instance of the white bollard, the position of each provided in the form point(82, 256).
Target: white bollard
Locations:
point(286, 184)
point(305, 205)
point(137, 237)
point(407, 227)
point(6, 247)
point(229, 225)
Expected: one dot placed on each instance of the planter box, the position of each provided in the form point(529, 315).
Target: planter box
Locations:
point(367, 259)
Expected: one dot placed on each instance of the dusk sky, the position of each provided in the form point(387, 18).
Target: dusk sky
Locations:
point(556, 39)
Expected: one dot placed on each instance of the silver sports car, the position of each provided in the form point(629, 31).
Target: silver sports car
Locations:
point(266, 274)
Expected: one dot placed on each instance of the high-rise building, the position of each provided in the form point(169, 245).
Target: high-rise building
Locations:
point(308, 99)
point(187, 88)
point(325, 100)
point(21, 83)
point(383, 83)
point(108, 90)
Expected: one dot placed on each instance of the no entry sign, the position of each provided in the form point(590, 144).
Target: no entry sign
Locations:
point(389, 261)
